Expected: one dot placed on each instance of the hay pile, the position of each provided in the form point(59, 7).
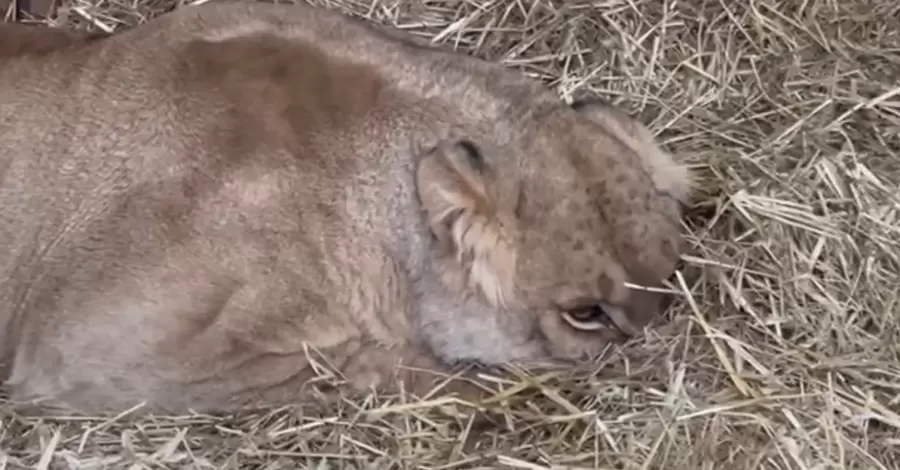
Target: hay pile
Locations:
point(784, 354)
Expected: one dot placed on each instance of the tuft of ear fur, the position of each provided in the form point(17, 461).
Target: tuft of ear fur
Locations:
point(668, 175)
point(464, 218)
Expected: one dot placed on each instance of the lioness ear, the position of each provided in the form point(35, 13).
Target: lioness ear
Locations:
point(18, 39)
point(452, 184)
point(668, 175)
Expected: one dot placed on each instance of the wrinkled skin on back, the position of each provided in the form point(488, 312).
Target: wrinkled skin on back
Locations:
point(198, 210)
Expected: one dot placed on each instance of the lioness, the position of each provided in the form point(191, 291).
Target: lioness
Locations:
point(193, 209)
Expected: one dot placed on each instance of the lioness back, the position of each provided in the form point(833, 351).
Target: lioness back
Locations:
point(195, 207)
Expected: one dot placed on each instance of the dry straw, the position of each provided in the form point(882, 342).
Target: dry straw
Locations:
point(784, 351)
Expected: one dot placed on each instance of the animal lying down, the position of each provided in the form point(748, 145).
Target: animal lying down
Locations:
point(192, 209)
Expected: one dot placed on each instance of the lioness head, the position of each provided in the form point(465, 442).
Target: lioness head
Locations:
point(555, 234)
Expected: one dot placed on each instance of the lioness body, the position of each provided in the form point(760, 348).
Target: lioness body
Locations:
point(192, 209)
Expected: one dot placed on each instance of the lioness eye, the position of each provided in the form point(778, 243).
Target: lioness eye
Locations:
point(591, 314)
point(589, 318)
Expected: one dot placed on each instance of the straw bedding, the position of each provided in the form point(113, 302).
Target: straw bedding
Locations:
point(781, 352)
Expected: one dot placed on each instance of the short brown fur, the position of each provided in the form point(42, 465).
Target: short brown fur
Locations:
point(190, 208)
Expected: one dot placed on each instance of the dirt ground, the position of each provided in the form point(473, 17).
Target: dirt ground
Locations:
point(784, 354)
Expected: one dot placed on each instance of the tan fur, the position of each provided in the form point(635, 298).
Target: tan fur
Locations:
point(193, 209)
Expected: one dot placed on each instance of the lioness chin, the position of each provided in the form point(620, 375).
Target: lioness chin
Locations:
point(194, 210)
